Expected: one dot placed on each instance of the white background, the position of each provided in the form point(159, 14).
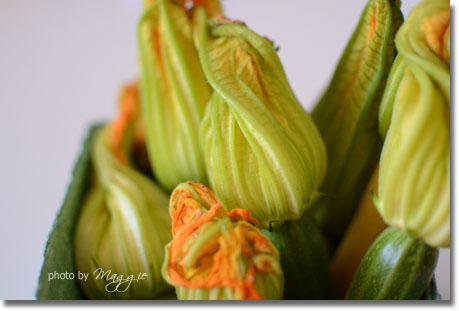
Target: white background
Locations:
point(61, 65)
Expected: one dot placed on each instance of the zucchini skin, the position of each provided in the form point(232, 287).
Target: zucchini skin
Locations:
point(59, 252)
point(431, 292)
point(395, 267)
point(304, 259)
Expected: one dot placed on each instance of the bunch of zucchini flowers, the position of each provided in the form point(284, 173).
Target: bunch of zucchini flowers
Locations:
point(214, 182)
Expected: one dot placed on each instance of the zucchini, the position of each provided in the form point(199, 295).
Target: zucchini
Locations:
point(304, 259)
point(431, 292)
point(395, 267)
point(59, 254)
point(364, 229)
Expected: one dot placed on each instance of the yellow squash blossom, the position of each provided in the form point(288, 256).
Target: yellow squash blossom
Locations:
point(124, 222)
point(414, 180)
point(174, 91)
point(263, 152)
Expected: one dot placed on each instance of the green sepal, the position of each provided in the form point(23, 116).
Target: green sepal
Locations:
point(390, 93)
point(395, 267)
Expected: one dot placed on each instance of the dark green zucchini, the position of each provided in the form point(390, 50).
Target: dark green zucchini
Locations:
point(395, 267)
point(431, 293)
point(59, 256)
point(304, 259)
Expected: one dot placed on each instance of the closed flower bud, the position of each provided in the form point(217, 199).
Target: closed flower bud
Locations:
point(262, 150)
point(124, 223)
point(217, 254)
point(347, 115)
point(414, 180)
point(174, 91)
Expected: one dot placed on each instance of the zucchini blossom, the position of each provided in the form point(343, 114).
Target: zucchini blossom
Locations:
point(263, 152)
point(217, 254)
point(124, 222)
point(174, 91)
point(414, 180)
point(347, 115)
